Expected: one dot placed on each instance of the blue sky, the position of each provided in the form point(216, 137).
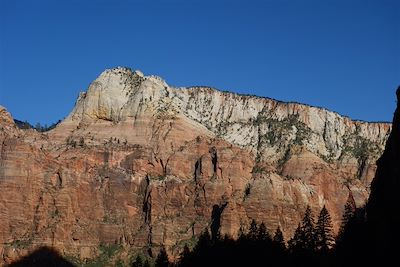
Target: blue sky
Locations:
point(343, 55)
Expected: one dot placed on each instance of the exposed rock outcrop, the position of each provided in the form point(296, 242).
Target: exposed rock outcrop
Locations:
point(139, 164)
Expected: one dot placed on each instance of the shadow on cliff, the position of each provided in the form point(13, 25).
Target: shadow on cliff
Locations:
point(44, 257)
point(383, 209)
point(372, 236)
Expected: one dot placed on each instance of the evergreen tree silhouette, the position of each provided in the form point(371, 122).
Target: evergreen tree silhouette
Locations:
point(204, 242)
point(202, 251)
point(138, 262)
point(302, 245)
point(307, 237)
point(348, 215)
point(353, 246)
point(241, 233)
point(278, 239)
point(253, 230)
point(262, 233)
point(185, 257)
point(162, 258)
point(323, 231)
point(295, 243)
point(362, 241)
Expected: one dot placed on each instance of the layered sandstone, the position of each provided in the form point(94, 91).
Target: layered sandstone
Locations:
point(139, 164)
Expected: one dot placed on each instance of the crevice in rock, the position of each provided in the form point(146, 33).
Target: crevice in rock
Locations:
point(147, 202)
point(362, 167)
point(204, 193)
point(214, 159)
point(147, 213)
point(216, 220)
point(164, 166)
point(36, 216)
point(198, 169)
point(222, 175)
point(150, 240)
point(168, 131)
point(193, 233)
point(259, 143)
point(325, 133)
point(59, 181)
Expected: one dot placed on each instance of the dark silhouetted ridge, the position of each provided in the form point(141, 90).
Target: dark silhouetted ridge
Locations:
point(383, 207)
point(43, 257)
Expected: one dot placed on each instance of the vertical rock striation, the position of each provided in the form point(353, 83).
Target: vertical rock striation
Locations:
point(140, 164)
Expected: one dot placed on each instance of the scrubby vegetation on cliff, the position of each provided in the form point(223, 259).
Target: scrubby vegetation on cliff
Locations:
point(38, 127)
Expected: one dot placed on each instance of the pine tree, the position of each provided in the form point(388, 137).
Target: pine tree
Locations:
point(185, 252)
point(295, 243)
point(204, 242)
point(162, 258)
point(241, 233)
point(278, 238)
point(262, 233)
point(304, 236)
point(323, 231)
point(307, 238)
point(348, 215)
point(253, 230)
point(38, 127)
point(185, 257)
point(138, 262)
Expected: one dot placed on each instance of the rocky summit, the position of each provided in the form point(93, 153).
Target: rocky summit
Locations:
point(139, 164)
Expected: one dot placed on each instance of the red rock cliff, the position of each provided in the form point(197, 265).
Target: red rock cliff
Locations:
point(139, 163)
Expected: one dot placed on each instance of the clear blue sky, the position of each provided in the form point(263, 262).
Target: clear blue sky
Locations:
point(343, 55)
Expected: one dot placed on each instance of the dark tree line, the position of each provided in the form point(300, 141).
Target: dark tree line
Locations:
point(312, 244)
point(38, 127)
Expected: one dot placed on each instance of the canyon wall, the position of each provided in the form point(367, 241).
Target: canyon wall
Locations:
point(138, 164)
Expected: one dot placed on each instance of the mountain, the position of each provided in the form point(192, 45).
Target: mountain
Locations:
point(139, 164)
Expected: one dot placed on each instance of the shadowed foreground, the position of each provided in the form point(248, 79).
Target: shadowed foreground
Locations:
point(45, 257)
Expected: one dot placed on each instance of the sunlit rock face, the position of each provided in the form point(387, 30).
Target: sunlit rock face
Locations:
point(139, 164)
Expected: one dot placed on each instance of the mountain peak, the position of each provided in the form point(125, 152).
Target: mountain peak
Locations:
point(136, 153)
point(120, 95)
point(121, 71)
point(106, 95)
point(5, 116)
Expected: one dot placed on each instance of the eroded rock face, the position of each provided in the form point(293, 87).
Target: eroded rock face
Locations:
point(139, 163)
